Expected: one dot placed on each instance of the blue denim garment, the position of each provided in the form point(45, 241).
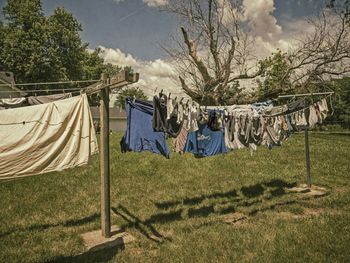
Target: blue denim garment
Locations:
point(139, 135)
point(205, 142)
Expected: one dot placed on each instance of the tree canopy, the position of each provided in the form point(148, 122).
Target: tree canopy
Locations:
point(39, 48)
point(132, 92)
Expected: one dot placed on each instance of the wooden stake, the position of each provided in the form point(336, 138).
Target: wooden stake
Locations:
point(104, 159)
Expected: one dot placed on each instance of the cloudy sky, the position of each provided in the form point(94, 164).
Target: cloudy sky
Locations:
point(129, 31)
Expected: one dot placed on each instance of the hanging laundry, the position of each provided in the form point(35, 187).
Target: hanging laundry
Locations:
point(205, 142)
point(259, 107)
point(170, 108)
point(12, 103)
point(46, 138)
point(36, 100)
point(180, 140)
point(160, 113)
point(274, 111)
point(232, 140)
point(323, 107)
point(271, 135)
point(173, 127)
point(296, 105)
point(165, 117)
point(312, 116)
point(139, 135)
point(193, 112)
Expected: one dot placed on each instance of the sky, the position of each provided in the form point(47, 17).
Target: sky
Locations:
point(130, 32)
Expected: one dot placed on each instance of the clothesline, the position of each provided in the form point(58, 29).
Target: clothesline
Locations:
point(306, 94)
point(218, 129)
point(43, 90)
point(48, 83)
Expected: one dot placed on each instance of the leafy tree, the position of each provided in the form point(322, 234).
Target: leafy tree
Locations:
point(341, 103)
point(26, 49)
point(38, 48)
point(129, 92)
point(273, 81)
point(63, 32)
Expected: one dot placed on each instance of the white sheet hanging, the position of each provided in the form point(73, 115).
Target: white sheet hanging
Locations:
point(45, 138)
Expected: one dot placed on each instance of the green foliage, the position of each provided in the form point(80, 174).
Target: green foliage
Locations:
point(341, 102)
point(274, 77)
point(233, 95)
point(129, 92)
point(111, 69)
point(38, 48)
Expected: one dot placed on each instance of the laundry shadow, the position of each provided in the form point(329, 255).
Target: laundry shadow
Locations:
point(275, 187)
point(102, 255)
point(42, 227)
point(197, 206)
point(145, 227)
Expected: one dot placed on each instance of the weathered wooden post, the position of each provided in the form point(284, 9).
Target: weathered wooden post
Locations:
point(307, 155)
point(104, 159)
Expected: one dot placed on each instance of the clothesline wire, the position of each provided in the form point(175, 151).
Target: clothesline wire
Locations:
point(49, 83)
point(43, 90)
point(306, 94)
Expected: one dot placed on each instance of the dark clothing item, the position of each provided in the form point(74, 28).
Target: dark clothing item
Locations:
point(173, 128)
point(36, 100)
point(215, 121)
point(205, 142)
point(139, 135)
point(296, 105)
point(160, 113)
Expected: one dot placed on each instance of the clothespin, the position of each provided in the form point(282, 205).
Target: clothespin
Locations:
point(134, 98)
point(155, 91)
point(181, 100)
point(169, 95)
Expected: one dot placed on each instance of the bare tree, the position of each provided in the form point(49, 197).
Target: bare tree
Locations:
point(213, 52)
point(324, 53)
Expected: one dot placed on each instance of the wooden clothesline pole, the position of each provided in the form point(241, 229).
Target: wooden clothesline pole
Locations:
point(103, 88)
point(306, 134)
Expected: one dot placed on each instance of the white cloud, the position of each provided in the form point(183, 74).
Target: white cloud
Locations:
point(117, 57)
point(158, 74)
point(155, 3)
point(258, 14)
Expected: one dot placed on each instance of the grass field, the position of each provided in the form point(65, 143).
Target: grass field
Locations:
point(176, 209)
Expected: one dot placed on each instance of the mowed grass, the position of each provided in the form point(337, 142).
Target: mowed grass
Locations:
point(176, 209)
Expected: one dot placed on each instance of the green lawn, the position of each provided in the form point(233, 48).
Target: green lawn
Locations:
point(176, 209)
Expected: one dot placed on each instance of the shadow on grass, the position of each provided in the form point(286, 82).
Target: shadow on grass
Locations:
point(227, 202)
point(102, 255)
point(68, 223)
point(276, 188)
point(145, 227)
